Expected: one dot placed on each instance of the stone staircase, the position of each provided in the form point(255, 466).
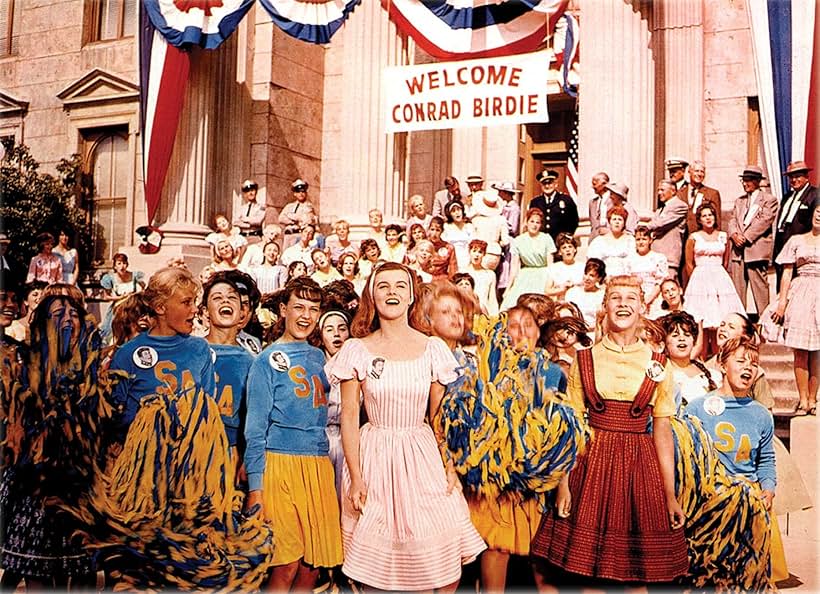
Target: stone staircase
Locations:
point(777, 360)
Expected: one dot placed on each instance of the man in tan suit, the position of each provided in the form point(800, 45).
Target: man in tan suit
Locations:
point(751, 229)
point(667, 226)
point(697, 193)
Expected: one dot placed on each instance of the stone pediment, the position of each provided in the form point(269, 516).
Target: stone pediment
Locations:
point(11, 107)
point(98, 86)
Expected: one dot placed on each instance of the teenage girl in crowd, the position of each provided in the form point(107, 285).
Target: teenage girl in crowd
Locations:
point(68, 257)
point(590, 295)
point(405, 523)
point(416, 233)
point(736, 325)
point(484, 279)
point(798, 310)
point(616, 247)
point(650, 267)
point(117, 284)
point(349, 269)
point(743, 430)
point(220, 297)
point(31, 294)
point(566, 272)
point(691, 377)
point(269, 276)
point(619, 383)
point(710, 294)
point(531, 258)
point(166, 358)
point(334, 328)
point(53, 410)
point(443, 264)
point(286, 453)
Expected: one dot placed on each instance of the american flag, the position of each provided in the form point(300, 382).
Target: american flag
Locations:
point(572, 160)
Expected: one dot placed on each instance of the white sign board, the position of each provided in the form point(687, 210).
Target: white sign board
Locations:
point(485, 92)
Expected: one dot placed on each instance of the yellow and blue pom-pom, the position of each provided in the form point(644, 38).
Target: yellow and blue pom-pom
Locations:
point(506, 432)
point(168, 514)
point(727, 526)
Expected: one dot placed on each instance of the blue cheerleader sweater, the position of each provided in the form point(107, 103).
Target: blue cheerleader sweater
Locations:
point(286, 406)
point(232, 365)
point(742, 430)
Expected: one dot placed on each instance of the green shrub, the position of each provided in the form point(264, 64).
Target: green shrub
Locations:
point(32, 202)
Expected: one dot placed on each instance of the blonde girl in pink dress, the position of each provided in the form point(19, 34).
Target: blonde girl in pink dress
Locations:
point(405, 523)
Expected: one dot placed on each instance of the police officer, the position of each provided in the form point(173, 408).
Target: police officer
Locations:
point(560, 211)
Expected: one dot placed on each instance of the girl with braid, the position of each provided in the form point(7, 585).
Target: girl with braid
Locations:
point(691, 377)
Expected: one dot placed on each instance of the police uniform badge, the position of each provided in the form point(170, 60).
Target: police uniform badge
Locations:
point(145, 357)
point(655, 371)
point(279, 360)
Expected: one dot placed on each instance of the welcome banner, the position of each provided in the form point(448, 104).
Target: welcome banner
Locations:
point(485, 92)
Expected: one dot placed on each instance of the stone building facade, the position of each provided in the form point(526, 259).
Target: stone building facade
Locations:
point(658, 78)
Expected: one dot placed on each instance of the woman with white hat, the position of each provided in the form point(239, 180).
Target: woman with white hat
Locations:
point(490, 225)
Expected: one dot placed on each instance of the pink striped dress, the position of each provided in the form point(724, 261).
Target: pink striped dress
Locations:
point(410, 535)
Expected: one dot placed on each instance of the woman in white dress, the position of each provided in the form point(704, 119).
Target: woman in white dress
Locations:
point(567, 271)
point(616, 247)
point(651, 267)
point(458, 232)
point(710, 293)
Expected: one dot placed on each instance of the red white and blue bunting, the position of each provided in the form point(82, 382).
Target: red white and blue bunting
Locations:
point(314, 21)
point(203, 23)
point(455, 29)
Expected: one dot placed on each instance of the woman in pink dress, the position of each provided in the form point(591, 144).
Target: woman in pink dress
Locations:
point(405, 522)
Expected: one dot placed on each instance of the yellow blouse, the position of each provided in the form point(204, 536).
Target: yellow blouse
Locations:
point(619, 372)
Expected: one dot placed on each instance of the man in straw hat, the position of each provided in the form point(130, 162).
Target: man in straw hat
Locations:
point(794, 217)
point(750, 231)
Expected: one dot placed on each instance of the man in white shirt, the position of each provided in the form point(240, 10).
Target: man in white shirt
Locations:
point(250, 213)
point(796, 209)
point(297, 213)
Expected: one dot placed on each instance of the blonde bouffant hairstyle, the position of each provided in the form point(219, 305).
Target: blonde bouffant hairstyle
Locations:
point(165, 281)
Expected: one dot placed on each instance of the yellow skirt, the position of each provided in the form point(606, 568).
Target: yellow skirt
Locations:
point(777, 554)
point(299, 499)
point(506, 524)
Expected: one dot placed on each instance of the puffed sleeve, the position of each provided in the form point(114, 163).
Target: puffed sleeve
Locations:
point(107, 282)
point(444, 364)
point(788, 255)
point(575, 389)
point(664, 398)
point(349, 363)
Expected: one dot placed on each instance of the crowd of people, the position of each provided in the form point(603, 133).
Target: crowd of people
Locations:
point(383, 411)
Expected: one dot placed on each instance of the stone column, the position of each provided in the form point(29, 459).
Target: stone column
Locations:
point(196, 185)
point(617, 98)
point(678, 33)
point(363, 166)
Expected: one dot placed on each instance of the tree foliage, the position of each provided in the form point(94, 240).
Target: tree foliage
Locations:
point(32, 202)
